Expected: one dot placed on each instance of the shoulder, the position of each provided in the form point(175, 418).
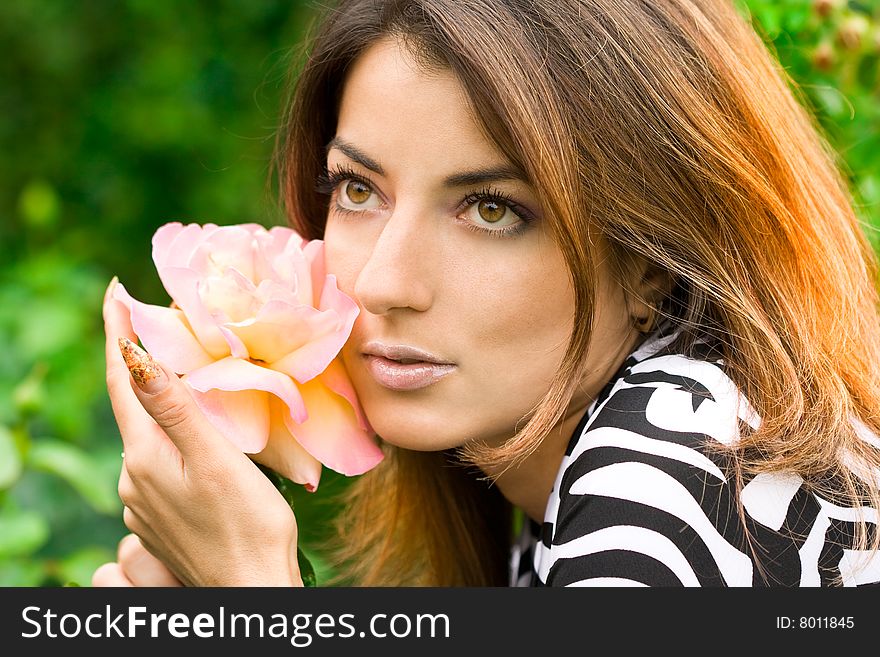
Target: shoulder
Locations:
point(667, 395)
point(683, 407)
point(649, 470)
point(646, 493)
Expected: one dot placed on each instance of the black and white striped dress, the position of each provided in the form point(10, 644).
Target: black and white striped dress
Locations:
point(639, 500)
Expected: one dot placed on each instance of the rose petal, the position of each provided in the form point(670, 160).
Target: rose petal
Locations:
point(269, 290)
point(270, 245)
point(236, 346)
point(234, 374)
point(276, 239)
point(332, 433)
point(228, 246)
point(174, 243)
point(312, 358)
point(182, 284)
point(165, 333)
point(336, 378)
point(242, 416)
point(333, 298)
point(162, 240)
point(280, 328)
point(314, 253)
point(231, 293)
point(284, 454)
point(295, 272)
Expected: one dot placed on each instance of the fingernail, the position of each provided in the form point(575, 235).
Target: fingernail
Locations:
point(109, 291)
point(144, 370)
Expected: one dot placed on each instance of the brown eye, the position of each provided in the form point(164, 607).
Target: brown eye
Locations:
point(357, 192)
point(491, 211)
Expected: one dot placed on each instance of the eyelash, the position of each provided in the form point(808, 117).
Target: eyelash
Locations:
point(329, 181)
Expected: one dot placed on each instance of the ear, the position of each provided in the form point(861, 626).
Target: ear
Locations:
point(651, 284)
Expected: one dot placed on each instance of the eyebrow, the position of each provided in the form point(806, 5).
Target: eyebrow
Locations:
point(462, 179)
point(356, 154)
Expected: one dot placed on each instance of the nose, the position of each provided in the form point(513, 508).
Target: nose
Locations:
point(396, 273)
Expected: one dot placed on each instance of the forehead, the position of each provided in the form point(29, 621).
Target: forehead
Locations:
point(393, 109)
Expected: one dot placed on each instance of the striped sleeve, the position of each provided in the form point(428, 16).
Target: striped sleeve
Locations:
point(644, 505)
point(645, 496)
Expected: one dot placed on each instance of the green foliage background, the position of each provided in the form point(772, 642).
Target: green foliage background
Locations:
point(119, 116)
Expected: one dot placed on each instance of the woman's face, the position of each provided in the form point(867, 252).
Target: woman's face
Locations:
point(442, 244)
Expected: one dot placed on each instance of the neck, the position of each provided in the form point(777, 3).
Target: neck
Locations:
point(528, 485)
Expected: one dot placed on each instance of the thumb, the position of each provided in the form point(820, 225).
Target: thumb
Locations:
point(169, 403)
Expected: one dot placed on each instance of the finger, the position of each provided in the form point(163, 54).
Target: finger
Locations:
point(125, 488)
point(110, 574)
point(130, 520)
point(117, 324)
point(131, 417)
point(141, 567)
point(167, 400)
point(110, 287)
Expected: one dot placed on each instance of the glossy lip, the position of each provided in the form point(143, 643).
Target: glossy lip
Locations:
point(413, 376)
point(382, 361)
point(401, 352)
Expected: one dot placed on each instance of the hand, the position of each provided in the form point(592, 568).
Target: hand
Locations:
point(134, 567)
point(196, 502)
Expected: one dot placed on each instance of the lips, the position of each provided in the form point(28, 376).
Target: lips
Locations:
point(404, 354)
point(404, 367)
point(395, 375)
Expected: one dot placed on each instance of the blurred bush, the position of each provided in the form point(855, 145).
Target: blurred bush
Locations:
point(831, 48)
point(117, 116)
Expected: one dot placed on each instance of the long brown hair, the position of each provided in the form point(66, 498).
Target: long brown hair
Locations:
point(667, 130)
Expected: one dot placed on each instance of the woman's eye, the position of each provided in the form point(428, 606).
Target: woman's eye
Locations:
point(357, 195)
point(493, 212)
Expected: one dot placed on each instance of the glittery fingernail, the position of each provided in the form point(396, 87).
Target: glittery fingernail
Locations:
point(144, 370)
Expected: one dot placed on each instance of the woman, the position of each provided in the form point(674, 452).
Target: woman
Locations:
point(651, 311)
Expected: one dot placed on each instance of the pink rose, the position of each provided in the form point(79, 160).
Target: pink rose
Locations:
point(256, 332)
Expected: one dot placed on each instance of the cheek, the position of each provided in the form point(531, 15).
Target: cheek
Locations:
point(522, 323)
point(513, 330)
point(506, 322)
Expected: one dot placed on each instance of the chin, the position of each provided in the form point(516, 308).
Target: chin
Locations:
point(407, 442)
point(417, 433)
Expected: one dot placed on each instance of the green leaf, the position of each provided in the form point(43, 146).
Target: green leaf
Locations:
point(867, 71)
point(833, 102)
point(21, 532)
point(10, 460)
point(30, 395)
point(76, 569)
point(49, 326)
point(78, 469)
point(795, 18)
point(21, 572)
point(39, 205)
point(324, 572)
point(284, 485)
point(869, 188)
point(306, 571)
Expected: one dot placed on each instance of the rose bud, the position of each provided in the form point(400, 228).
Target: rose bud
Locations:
point(823, 56)
point(851, 32)
point(824, 8)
